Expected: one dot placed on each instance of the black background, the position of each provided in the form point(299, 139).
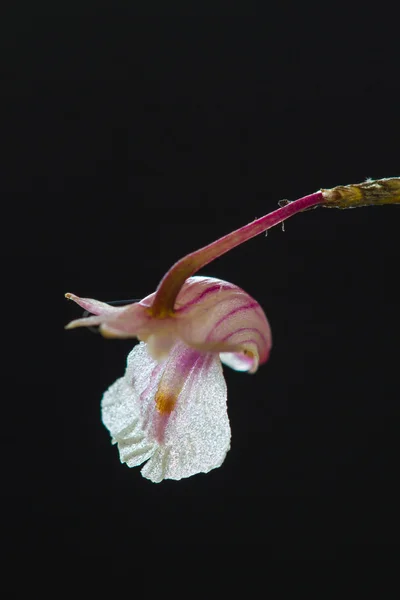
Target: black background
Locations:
point(131, 141)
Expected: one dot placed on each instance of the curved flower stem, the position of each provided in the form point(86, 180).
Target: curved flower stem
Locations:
point(370, 192)
point(172, 282)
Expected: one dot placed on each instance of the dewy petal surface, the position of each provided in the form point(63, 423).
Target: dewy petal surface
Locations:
point(178, 439)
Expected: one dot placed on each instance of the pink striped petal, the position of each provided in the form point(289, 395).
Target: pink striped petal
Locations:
point(172, 414)
point(217, 316)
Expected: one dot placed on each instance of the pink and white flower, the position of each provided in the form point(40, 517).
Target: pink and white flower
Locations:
point(169, 408)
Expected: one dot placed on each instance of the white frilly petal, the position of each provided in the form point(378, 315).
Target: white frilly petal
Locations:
point(196, 434)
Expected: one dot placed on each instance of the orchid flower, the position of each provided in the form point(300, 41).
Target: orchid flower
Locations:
point(169, 409)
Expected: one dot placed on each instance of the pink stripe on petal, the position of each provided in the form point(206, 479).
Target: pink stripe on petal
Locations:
point(234, 311)
point(184, 303)
point(259, 339)
point(180, 363)
point(184, 306)
point(222, 321)
point(241, 330)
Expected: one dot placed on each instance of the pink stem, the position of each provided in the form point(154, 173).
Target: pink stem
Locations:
point(174, 279)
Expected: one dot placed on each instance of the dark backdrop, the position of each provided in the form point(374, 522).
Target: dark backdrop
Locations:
point(131, 142)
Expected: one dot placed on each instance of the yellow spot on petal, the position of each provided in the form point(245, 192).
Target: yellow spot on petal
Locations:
point(165, 402)
point(163, 313)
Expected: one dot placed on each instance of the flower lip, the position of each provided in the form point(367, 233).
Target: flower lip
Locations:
point(193, 438)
